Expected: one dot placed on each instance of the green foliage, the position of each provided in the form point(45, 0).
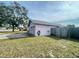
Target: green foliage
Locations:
point(3, 14)
point(21, 12)
point(13, 14)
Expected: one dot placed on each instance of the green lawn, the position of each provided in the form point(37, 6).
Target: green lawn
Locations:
point(10, 32)
point(39, 47)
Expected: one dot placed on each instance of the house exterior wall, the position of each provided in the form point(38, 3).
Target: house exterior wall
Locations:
point(32, 29)
point(44, 30)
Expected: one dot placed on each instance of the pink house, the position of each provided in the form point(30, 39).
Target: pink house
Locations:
point(41, 28)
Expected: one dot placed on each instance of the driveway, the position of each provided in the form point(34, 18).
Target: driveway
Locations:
point(8, 36)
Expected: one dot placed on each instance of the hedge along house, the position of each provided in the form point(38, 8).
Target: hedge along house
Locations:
point(41, 28)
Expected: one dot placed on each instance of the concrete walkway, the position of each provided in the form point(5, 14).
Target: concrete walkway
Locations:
point(8, 36)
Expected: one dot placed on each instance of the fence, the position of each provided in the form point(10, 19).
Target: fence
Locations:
point(67, 32)
point(59, 32)
point(75, 33)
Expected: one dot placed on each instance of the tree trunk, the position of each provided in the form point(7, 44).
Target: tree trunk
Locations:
point(13, 28)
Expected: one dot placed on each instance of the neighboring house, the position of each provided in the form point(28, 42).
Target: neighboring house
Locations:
point(42, 28)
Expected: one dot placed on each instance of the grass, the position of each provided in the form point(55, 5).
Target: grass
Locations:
point(39, 47)
point(10, 32)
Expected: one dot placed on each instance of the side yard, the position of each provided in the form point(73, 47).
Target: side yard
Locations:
point(10, 32)
point(12, 35)
point(39, 47)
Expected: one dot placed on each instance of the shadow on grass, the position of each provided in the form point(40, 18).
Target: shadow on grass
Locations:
point(54, 37)
point(19, 36)
point(59, 38)
point(26, 35)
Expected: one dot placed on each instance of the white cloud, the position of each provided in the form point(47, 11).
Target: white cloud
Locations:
point(57, 11)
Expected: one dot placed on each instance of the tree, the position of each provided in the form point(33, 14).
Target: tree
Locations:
point(3, 15)
point(12, 19)
point(13, 14)
point(21, 12)
point(7, 15)
point(18, 15)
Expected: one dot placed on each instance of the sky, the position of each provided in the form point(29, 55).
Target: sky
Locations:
point(61, 12)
